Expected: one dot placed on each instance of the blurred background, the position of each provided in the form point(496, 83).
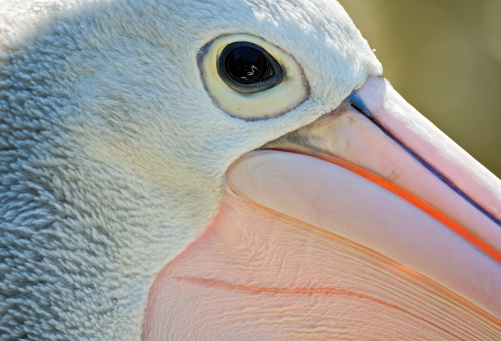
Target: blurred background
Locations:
point(444, 58)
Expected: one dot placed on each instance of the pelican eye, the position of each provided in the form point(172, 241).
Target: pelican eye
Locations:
point(250, 78)
point(248, 68)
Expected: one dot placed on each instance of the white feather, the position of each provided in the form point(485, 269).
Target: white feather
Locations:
point(112, 153)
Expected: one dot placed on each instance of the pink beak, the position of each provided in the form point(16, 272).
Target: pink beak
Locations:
point(449, 226)
point(369, 222)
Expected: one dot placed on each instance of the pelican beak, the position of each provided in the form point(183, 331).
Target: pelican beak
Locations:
point(367, 223)
point(378, 173)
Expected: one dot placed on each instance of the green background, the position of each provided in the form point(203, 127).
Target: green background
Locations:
point(443, 57)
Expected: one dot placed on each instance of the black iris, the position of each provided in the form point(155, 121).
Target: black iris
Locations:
point(247, 65)
point(248, 68)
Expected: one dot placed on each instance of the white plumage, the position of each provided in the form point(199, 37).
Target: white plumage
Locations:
point(112, 152)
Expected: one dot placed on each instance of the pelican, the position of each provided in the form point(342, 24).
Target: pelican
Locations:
point(228, 170)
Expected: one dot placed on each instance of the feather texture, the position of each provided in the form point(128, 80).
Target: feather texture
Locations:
point(112, 153)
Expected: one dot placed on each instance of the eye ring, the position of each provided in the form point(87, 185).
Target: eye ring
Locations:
point(248, 68)
point(272, 98)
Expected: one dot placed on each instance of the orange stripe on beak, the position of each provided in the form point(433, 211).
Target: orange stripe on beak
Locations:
point(417, 201)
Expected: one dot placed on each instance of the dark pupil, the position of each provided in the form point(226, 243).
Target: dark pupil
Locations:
point(247, 65)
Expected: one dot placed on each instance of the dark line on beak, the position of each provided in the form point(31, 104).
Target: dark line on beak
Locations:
point(356, 102)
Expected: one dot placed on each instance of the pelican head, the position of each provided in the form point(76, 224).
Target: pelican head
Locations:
point(226, 169)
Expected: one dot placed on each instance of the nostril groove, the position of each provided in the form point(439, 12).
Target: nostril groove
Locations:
point(353, 105)
point(357, 103)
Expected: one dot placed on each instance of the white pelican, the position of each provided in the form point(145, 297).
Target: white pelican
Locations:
point(228, 170)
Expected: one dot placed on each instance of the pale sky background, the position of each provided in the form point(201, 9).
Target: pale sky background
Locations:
point(444, 57)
